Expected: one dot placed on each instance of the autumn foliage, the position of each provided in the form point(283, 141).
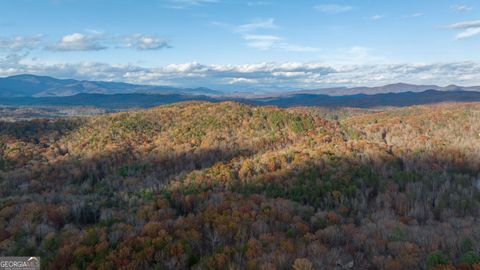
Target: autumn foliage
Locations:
point(201, 185)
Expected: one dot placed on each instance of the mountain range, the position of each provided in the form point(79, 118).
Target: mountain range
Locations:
point(27, 85)
point(142, 100)
point(31, 90)
point(389, 88)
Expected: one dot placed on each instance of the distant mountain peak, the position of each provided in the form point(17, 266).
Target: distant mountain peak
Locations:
point(29, 85)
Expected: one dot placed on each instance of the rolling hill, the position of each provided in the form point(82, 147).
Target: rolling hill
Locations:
point(389, 88)
point(370, 101)
point(142, 100)
point(201, 185)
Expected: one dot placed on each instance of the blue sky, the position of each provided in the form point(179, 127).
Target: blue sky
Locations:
point(244, 45)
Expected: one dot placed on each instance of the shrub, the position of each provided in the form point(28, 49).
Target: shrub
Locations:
point(302, 264)
point(467, 244)
point(436, 258)
point(397, 234)
point(471, 257)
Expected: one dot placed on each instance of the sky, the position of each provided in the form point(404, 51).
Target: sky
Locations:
point(249, 45)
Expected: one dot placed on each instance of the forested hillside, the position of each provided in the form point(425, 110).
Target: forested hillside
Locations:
point(201, 185)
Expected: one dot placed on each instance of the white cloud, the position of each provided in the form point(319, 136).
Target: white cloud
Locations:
point(258, 3)
point(250, 33)
point(333, 8)
point(377, 17)
point(269, 42)
point(256, 25)
point(261, 42)
point(465, 24)
point(462, 8)
point(296, 48)
point(182, 4)
point(254, 77)
point(146, 42)
point(470, 32)
point(78, 42)
point(469, 29)
point(18, 43)
point(242, 81)
point(96, 40)
point(94, 31)
point(415, 15)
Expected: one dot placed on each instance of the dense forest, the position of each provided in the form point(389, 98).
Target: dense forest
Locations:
point(14, 114)
point(200, 185)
